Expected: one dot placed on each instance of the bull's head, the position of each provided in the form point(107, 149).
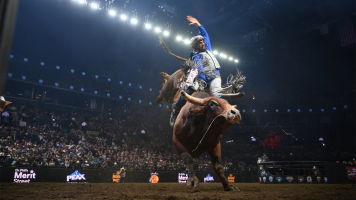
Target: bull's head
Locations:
point(220, 106)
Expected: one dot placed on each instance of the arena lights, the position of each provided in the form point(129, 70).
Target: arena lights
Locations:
point(72, 70)
point(253, 111)
point(120, 97)
point(108, 94)
point(243, 111)
point(160, 105)
point(310, 110)
point(140, 87)
point(139, 101)
point(265, 110)
point(56, 84)
point(158, 30)
point(165, 33)
point(83, 73)
point(11, 56)
point(42, 63)
point(120, 82)
point(130, 84)
point(82, 89)
point(288, 110)
point(96, 76)
point(236, 61)
point(40, 81)
point(298, 110)
point(123, 17)
point(215, 52)
point(134, 21)
point(23, 77)
point(345, 106)
point(178, 38)
point(277, 110)
point(230, 58)
point(109, 79)
point(334, 108)
point(148, 26)
point(58, 67)
point(9, 74)
point(322, 110)
point(71, 87)
point(81, 1)
point(94, 5)
point(95, 92)
point(151, 89)
point(186, 41)
point(129, 99)
point(150, 103)
point(112, 12)
point(25, 59)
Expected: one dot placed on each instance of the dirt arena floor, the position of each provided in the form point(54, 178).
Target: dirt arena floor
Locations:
point(174, 191)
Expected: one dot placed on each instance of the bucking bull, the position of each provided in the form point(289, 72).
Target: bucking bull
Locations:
point(199, 126)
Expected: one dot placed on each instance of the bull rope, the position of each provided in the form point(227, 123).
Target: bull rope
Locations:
point(207, 131)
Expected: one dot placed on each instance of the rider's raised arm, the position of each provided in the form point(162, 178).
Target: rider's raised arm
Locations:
point(202, 30)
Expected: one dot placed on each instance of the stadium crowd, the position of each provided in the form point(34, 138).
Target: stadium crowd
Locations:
point(81, 139)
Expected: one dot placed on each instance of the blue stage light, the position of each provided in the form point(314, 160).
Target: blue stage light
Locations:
point(56, 84)
point(167, 106)
point(108, 94)
point(42, 63)
point(277, 110)
point(130, 84)
point(40, 81)
point(11, 56)
point(139, 101)
point(58, 67)
point(71, 87)
point(265, 110)
point(310, 110)
point(150, 103)
point(243, 111)
point(25, 59)
point(129, 99)
point(288, 110)
point(120, 82)
point(345, 106)
point(82, 89)
point(109, 79)
point(140, 87)
point(83, 73)
point(9, 74)
point(95, 92)
point(96, 76)
point(160, 105)
point(253, 110)
point(23, 77)
point(322, 110)
point(334, 108)
point(298, 110)
point(120, 97)
point(150, 89)
point(72, 70)
point(160, 91)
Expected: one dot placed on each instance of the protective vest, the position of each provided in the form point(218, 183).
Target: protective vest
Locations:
point(209, 62)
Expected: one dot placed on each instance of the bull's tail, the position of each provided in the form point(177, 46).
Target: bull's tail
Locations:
point(161, 42)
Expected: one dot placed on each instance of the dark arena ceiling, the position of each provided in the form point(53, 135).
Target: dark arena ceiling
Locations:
point(290, 51)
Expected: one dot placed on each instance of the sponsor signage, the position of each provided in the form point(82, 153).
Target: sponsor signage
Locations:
point(264, 179)
point(231, 178)
point(289, 178)
point(270, 179)
point(279, 179)
point(182, 177)
point(76, 177)
point(260, 179)
point(301, 179)
point(351, 173)
point(325, 179)
point(309, 179)
point(24, 176)
point(116, 177)
point(318, 178)
point(154, 177)
point(208, 178)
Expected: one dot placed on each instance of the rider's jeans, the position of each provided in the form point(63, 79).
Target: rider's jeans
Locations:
point(215, 86)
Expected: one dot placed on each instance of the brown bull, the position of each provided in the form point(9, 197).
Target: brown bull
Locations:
point(198, 129)
point(169, 88)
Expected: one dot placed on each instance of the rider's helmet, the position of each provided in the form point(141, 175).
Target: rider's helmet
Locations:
point(195, 40)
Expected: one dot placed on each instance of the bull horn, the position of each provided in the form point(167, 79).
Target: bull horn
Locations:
point(234, 106)
point(193, 100)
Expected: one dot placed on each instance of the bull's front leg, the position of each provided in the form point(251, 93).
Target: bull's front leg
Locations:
point(215, 156)
point(188, 161)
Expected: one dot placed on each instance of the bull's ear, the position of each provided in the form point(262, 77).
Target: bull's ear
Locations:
point(201, 110)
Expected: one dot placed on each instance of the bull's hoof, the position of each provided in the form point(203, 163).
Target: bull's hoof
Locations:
point(192, 182)
point(231, 188)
